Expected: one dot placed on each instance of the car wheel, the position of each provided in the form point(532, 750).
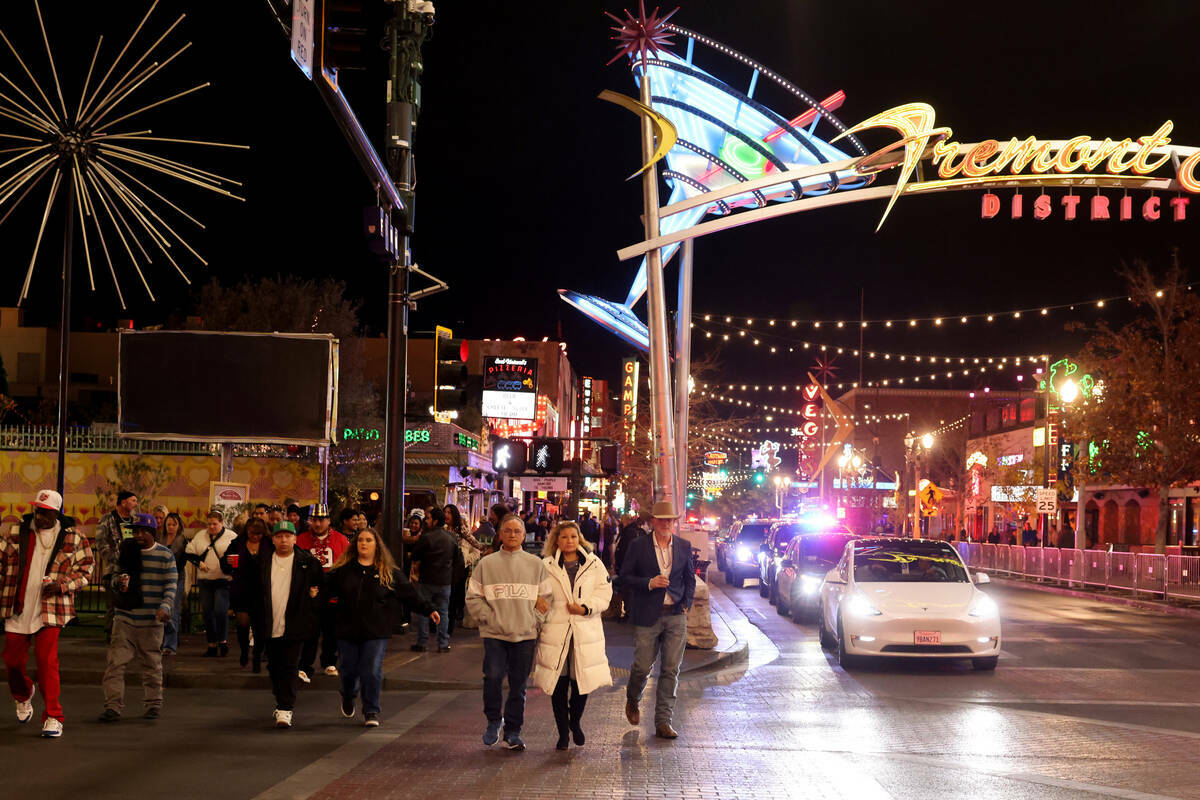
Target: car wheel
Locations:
point(846, 660)
point(987, 664)
point(720, 563)
point(800, 614)
point(763, 588)
point(781, 607)
point(822, 634)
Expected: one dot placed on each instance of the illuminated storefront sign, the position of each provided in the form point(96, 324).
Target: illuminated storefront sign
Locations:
point(630, 368)
point(715, 458)
point(509, 387)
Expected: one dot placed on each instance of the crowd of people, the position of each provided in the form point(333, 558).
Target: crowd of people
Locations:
point(304, 596)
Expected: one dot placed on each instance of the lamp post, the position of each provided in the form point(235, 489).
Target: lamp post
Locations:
point(912, 452)
point(782, 484)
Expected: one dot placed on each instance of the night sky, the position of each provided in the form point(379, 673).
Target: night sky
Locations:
point(521, 169)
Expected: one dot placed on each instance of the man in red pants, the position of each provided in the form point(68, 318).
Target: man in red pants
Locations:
point(42, 566)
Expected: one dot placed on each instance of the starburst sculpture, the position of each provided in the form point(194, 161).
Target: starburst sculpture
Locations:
point(90, 153)
point(824, 369)
point(637, 36)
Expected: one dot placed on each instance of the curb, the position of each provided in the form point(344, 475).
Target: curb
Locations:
point(1083, 594)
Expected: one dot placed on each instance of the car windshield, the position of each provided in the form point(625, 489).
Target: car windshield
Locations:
point(907, 561)
point(785, 533)
point(753, 533)
point(822, 549)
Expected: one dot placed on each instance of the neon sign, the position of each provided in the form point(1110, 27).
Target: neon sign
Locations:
point(629, 391)
point(981, 163)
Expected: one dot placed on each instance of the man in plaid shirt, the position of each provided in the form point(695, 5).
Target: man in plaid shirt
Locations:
point(42, 566)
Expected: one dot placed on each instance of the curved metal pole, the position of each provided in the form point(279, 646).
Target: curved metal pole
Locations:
point(683, 362)
point(660, 369)
point(64, 337)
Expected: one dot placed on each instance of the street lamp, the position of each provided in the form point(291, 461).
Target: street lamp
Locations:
point(927, 441)
point(911, 454)
point(782, 484)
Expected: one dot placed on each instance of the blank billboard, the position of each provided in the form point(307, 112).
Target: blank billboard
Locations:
point(267, 388)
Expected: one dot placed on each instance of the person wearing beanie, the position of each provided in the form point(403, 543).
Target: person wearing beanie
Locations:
point(42, 566)
point(145, 585)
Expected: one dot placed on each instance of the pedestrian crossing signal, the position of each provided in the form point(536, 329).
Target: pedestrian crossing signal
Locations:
point(546, 455)
point(508, 456)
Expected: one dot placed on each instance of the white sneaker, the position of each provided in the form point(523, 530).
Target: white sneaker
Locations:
point(25, 709)
point(304, 677)
point(331, 671)
point(51, 728)
point(283, 719)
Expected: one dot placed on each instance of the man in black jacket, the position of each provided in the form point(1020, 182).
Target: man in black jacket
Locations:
point(433, 558)
point(291, 581)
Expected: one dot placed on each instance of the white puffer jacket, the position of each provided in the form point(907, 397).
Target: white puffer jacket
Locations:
point(584, 633)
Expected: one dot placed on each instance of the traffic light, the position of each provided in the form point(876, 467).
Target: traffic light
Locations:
point(342, 31)
point(508, 456)
point(449, 371)
point(610, 459)
point(759, 478)
point(546, 455)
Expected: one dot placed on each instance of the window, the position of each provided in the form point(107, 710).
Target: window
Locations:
point(1008, 415)
point(1028, 409)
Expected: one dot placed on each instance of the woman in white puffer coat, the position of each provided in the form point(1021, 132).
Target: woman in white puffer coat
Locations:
point(571, 658)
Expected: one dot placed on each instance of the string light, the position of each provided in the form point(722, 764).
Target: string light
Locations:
point(1015, 313)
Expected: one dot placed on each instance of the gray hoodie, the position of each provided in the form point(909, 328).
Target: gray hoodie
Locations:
point(501, 594)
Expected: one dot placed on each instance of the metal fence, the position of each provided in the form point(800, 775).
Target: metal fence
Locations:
point(44, 438)
point(1140, 573)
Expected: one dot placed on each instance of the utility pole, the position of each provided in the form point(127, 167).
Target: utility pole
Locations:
point(406, 33)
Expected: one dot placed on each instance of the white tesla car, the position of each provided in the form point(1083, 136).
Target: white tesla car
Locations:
point(909, 598)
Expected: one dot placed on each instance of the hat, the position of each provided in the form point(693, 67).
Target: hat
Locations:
point(319, 510)
point(419, 513)
point(123, 495)
point(664, 509)
point(48, 499)
point(145, 521)
point(283, 526)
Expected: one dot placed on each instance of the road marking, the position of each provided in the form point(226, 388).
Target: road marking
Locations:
point(1044, 702)
point(1028, 777)
point(320, 773)
point(1087, 640)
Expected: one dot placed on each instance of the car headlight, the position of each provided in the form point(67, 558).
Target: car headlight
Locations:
point(809, 584)
point(858, 605)
point(744, 554)
point(984, 606)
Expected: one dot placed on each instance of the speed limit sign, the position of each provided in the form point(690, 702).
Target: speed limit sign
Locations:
point(1047, 501)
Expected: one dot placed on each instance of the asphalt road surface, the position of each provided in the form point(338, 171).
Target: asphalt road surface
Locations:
point(1089, 701)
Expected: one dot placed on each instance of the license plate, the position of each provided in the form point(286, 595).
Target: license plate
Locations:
point(927, 637)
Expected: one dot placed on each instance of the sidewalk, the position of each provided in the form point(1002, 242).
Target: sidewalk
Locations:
point(82, 657)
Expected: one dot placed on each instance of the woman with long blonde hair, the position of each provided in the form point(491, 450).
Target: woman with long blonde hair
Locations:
point(570, 658)
point(369, 590)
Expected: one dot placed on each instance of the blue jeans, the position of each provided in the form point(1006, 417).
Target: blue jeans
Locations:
point(171, 627)
point(214, 603)
point(665, 639)
point(362, 665)
point(513, 660)
point(439, 596)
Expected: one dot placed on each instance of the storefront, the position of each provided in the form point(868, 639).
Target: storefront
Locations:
point(445, 464)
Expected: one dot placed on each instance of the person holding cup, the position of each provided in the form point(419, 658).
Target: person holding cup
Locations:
point(245, 589)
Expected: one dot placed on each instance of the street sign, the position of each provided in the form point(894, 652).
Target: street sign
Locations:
point(509, 387)
point(531, 483)
point(1047, 500)
point(302, 35)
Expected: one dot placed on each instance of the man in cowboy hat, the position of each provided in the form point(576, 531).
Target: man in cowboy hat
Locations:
point(325, 545)
point(657, 573)
point(42, 566)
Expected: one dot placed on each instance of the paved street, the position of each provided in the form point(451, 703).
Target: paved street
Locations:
point(1090, 700)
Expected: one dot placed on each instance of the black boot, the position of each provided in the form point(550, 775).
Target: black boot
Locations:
point(558, 701)
point(243, 638)
point(575, 714)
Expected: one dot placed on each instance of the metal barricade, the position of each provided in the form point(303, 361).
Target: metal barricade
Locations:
point(1002, 554)
point(973, 552)
point(964, 552)
point(1016, 559)
point(1183, 576)
point(1033, 562)
point(1070, 566)
point(987, 557)
point(1151, 573)
point(1122, 570)
point(1095, 568)
point(1050, 559)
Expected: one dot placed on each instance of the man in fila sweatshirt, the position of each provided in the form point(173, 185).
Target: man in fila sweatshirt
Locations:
point(508, 595)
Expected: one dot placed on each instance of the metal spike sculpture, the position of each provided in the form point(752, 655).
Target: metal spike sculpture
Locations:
point(102, 167)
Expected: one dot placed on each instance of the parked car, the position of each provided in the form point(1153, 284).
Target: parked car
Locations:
point(805, 561)
point(721, 543)
point(742, 549)
point(778, 538)
point(907, 598)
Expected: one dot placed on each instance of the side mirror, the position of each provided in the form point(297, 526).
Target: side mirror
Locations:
point(982, 577)
point(833, 576)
